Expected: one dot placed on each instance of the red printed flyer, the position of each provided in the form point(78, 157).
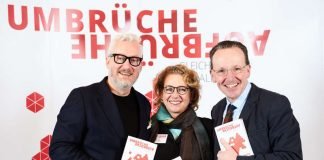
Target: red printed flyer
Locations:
point(235, 134)
point(138, 149)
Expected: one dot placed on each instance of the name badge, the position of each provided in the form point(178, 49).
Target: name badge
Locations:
point(178, 158)
point(161, 138)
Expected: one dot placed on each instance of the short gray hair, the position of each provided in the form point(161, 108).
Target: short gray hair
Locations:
point(127, 37)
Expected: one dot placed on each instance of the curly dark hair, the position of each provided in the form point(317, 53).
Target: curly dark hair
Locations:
point(189, 76)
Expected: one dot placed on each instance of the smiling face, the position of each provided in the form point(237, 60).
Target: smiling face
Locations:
point(175, 103)
point(231, 84)
point(123, 76)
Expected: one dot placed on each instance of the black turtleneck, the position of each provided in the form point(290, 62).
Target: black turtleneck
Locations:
point(129, 112)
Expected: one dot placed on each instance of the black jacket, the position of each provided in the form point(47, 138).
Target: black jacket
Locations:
point(89, 125)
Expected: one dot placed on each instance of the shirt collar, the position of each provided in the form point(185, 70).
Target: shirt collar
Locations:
point(240, 101)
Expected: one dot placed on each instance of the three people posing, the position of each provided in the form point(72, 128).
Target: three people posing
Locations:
point(95, 120)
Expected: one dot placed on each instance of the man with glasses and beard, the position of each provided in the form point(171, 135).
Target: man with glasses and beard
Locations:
point(272, 128)
point(95, 120)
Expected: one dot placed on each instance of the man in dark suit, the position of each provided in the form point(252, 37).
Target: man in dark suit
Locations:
point(95, 120)
point(272, 128)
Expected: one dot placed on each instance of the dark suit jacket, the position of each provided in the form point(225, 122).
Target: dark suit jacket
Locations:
point(272, 129)
point(89, 125)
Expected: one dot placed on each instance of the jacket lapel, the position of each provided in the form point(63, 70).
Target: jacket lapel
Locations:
point(250, 103)
point(110, 109)
point(221, 107)
point(143, 117)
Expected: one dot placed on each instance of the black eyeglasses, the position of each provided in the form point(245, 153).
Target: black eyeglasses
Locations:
point(120, 59)
point(235, 70)
point(180, 89)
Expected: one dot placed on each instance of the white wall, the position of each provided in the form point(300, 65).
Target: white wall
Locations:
point(41, 61)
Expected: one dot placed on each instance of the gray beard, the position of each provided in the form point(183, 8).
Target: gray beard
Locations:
point(119, 84)
point(122, 85)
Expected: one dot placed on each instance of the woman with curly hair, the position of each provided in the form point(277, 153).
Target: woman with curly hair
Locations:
point(175, 127)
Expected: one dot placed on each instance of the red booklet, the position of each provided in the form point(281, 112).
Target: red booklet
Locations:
point(138, 149)
point(234, 133)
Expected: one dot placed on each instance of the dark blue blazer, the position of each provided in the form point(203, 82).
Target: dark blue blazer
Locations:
point(89, 125)
point(272, 128)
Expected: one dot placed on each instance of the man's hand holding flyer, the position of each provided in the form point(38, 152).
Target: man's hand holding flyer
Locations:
point(234, 133)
